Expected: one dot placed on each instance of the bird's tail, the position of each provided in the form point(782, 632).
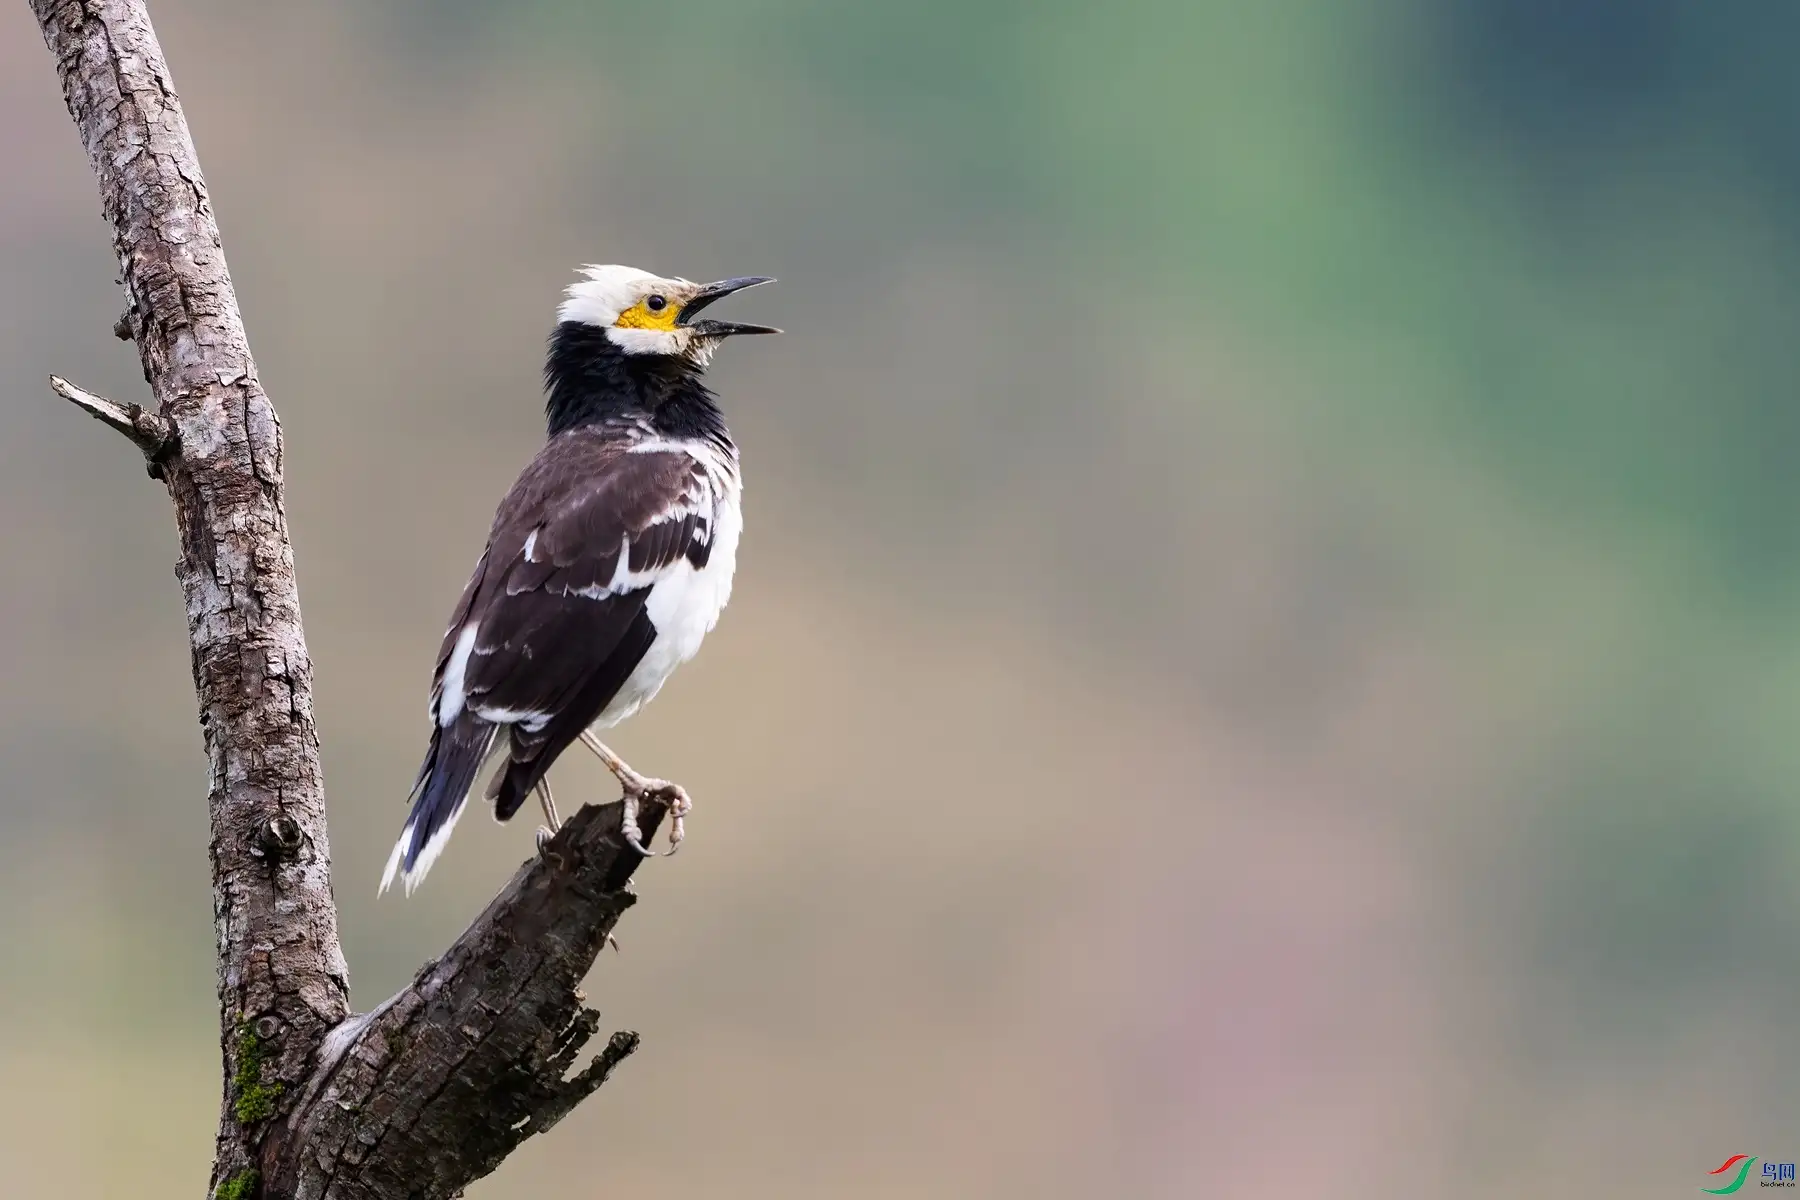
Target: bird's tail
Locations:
point(526, 762)
point(511, 784)
point(451, 764)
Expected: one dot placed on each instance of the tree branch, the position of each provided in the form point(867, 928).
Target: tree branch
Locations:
point(150, 432)
point(434, 1088)
point(438, 1085)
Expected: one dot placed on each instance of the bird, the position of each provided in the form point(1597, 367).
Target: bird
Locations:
point(608, 561)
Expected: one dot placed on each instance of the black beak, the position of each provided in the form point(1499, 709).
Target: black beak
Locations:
point(718, 291)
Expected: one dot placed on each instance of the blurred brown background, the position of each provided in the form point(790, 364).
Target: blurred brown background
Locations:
point(1263, 661)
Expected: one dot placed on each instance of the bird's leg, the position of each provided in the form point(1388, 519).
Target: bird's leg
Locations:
point(548, 803)
point(638, 788)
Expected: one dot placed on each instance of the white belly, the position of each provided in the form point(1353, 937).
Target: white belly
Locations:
point(684, 605)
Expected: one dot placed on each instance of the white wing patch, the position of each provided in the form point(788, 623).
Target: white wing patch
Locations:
point(533, 722)
point(450, 700)
point(700, 498)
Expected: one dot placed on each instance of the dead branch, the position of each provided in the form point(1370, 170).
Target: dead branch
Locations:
point(151, 433)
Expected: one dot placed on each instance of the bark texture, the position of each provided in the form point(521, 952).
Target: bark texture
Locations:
point(282, 979)
point(435, 1087)
point(438, 1085)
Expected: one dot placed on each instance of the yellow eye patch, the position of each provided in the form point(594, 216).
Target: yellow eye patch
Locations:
point(639, 316)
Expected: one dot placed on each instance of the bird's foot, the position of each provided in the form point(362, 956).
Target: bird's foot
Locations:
point(639, 788)
point(546, 832)
point(672, 796)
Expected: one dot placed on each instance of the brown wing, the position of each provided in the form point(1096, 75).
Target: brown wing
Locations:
point(554, 616)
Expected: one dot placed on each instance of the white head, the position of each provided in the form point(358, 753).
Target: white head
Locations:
point(647, 314)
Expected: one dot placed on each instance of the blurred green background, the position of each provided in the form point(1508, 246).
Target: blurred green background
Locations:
point(1265, 655)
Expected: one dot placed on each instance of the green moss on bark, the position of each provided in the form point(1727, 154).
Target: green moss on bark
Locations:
point(241, 1186)
point(252, 1099)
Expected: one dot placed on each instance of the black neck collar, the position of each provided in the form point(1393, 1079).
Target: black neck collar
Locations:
point(588, 380)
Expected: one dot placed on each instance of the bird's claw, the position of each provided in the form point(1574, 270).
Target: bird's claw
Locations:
point(628, 827)
point(672, 796)
point(637, 789)
point(679, 806)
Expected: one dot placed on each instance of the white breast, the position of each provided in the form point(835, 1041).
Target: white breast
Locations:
point(683, 605)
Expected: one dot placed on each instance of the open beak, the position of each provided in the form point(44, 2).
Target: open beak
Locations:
point(718, 291)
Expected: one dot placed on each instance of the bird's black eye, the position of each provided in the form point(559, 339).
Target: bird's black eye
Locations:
point(656, 303)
